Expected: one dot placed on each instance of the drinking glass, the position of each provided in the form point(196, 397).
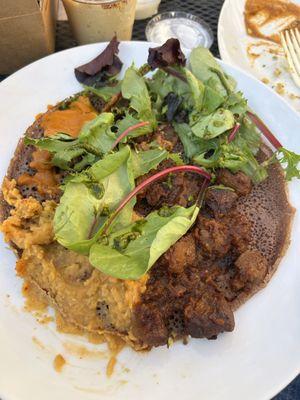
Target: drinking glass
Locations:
point(99, 20)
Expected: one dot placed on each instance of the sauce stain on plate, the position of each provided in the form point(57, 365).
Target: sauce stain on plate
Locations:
point(59, 362)
point(264, 20)
point(81, 351)
point(38, 343)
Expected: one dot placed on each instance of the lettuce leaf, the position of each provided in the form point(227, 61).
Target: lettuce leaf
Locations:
point(97, 132)
point(212, 100)
point(205, 67)
point(128, 121)
point(72, 228)
point(135, 89)
point(197, 90)
point(161, 84)
point(131, 252)
point(188, 139)
point(290, 163)
point(66, 152)
point(213, 125)
point(145, 161)
point(105, 92)
point(169, 54)
point(236, 103)
point(105, 65)
point(234, 156)
point(82, 212)
point(250, 134)
point(240, 158)
point(94, 140)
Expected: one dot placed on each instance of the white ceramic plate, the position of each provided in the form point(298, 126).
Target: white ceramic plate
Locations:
point(267, 62)
point(257, 360)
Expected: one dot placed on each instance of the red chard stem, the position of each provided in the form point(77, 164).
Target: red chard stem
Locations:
point(264, 130)
point(128, 130)
point(234, 131)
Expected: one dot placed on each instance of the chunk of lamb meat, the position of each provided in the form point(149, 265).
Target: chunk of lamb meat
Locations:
point(213, 237)
point(240, 182)
point(204, 316)
point(251, 269)
point(167, 138)
point(150, 325)
point(176, 189)
point(220, 201)
point(181, 254)
point(97, 102)
point(240, 231)
point(208, 316)
point(164, 192)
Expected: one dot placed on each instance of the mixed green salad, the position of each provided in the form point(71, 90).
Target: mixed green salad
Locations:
point(217, 129)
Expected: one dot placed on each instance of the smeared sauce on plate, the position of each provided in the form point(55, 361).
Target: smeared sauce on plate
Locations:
point(36, 304)
point(265, 19)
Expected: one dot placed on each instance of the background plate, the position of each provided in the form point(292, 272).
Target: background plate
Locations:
point(254, 362)
point(262, 59)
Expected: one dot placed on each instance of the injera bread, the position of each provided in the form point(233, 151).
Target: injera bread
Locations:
point(267, 207)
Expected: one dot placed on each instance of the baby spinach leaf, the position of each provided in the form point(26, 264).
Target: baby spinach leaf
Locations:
point(153, 238)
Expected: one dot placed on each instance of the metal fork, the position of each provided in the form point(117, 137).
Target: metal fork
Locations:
point(290, 40)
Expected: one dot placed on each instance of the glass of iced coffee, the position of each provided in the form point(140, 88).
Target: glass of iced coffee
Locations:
point(99, 20)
